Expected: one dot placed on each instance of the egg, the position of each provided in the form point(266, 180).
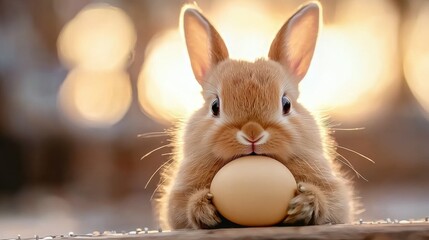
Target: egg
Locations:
point(253, 191)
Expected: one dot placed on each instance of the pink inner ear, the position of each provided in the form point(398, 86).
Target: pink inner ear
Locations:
point(294, 66)
point(205, 47)
point(295, 43)
point(203, 72)
point(299, 66)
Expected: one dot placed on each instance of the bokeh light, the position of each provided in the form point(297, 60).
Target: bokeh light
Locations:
point(99, 37)
point(248, 28)
point(95, 98)
point(167, 87)
point(416, 59)
point(96, 44)
point(354, 72)
point(355, 68)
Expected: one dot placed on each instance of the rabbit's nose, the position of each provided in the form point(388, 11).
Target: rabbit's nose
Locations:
point(252, 130)
point(252, 134)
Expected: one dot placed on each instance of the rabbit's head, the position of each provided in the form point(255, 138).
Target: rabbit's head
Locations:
point(251, 107)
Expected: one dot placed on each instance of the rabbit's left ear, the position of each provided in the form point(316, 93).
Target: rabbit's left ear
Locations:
point(205, 46)
point(294, 44)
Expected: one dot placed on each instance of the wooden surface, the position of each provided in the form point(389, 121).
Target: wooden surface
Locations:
point(362, 232)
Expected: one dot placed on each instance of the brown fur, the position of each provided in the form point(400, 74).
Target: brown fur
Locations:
point(250, 100)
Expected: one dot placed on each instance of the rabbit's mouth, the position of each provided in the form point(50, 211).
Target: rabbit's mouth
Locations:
point(260, 154)
point(252, 154)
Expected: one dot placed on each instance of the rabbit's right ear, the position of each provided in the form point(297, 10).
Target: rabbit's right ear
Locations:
point(205, 46)
point(294, 45)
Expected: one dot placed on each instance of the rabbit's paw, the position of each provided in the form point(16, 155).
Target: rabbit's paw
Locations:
point(200, 210)
point(305, 208)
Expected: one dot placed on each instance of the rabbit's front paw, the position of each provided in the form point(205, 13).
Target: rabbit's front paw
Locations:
point(305, 208)
point(200, 210)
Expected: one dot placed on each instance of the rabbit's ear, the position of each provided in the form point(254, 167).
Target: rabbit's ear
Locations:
point(205, 46)
point(294, 44)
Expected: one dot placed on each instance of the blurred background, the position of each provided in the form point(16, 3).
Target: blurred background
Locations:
point(80, 79)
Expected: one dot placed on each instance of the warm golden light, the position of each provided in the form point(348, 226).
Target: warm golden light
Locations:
point(167, 88)
point(353, 73)
point(247, 28)
point(416, 60)
point(96, 44)
point(99, 37)
point(95, 98)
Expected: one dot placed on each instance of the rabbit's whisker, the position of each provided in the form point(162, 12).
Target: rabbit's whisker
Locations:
point(156, 171)
point(156, 149)
point(152, 134)
point(346, 162)
point(157, 187)
point(353, 151)
point(347, 129)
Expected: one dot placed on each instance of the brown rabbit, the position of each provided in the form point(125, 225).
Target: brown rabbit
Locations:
point(252, 108)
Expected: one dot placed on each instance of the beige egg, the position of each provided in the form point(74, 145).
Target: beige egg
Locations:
point(253, 191)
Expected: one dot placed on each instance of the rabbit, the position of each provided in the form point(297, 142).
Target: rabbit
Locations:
point(252, 108)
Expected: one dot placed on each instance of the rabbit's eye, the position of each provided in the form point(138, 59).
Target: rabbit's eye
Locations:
point(215, 107)
point(285, 105)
